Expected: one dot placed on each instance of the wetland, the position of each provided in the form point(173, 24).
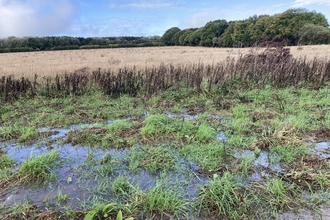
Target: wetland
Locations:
point(168, 142)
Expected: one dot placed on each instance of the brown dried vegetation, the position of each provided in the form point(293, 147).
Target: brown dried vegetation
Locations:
point(274, 66)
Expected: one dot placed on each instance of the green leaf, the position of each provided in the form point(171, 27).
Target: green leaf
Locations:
point(119, 215)
point(90, 215)
point(108, 208)
point(99, 207)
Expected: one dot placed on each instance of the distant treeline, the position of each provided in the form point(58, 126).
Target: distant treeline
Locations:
point(293, 27)
point(25, 44)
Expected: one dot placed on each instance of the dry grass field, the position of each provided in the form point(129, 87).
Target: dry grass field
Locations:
point(47, 63)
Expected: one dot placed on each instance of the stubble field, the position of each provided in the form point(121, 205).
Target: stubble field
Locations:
point(47, 63)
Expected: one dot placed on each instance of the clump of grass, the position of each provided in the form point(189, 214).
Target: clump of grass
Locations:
point(162, 200)
point(118, 126)
point(62, 197)
point(122, 187)
point(276, 196)
point(5, 163)
point(105, 170)
point(222, 197)
point(27, 133)
point(39, 168)
point(90, 136)
point(183, 129)
point(288, 153)
point(205, 133)
point(209, 156)
point(9, 132)
point(153, 159)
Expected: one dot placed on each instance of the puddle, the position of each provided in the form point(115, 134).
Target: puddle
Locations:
point(181, 115)
point(221, 136)
point(190, 117)
point(262, 160)
point(80, 188)
point(322, 149)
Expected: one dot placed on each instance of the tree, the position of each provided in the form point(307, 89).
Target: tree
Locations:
point(167, 36)
point(226, 39)
point(258, 31)
point(313, 34)
point(194, 38)
point(211, 30)
point(287, 25)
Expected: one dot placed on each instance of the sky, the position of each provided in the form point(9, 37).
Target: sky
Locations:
point(105, 18)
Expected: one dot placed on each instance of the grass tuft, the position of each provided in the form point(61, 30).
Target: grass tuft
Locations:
point(39, 168)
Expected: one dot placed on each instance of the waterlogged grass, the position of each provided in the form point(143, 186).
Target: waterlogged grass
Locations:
point(5, 163)
point(160, 133)
point(162, 200)
point(214, 154)
point(179, 128)
point(151, 158)
point(122, 187)
point(221, 196)
point(39, 168)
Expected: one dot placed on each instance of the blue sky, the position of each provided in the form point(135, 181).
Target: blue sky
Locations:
point(93, 18)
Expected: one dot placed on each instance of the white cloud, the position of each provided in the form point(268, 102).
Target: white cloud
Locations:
point(34, 17)
point(116, 27)
point(300, 3)
point(145, 4)
point(201, 18)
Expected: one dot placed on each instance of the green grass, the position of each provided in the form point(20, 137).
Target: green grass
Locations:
point(5, 165)
point(288, 153)
point(118, 126)
point(249, 117)
point(277, 196)
point(162, 200)
point(153, 159)
point(180, 128)
point(222, 197)
point(122, 187)
point(208, 156)
point(40, 168)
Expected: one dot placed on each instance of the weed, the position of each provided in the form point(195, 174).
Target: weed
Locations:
point(27, 133)
point(118, 126)
point(162, 199)
point(61, 197)
point(103, 211)
point(221, 197)
point(153, 159)
point(279, 196)
point(39, 168)
point(105, 170)
point(122, 187)
point(209, 156)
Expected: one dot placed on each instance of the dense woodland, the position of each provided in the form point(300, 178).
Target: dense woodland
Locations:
point(292, 27)
point(24, 44)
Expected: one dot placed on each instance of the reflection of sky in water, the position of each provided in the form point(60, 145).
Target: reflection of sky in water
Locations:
point(185, 177)
point(74, 157)
point(322, 149)
point(262, 160)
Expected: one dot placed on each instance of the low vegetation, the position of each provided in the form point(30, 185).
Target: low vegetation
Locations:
point(246, 139)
